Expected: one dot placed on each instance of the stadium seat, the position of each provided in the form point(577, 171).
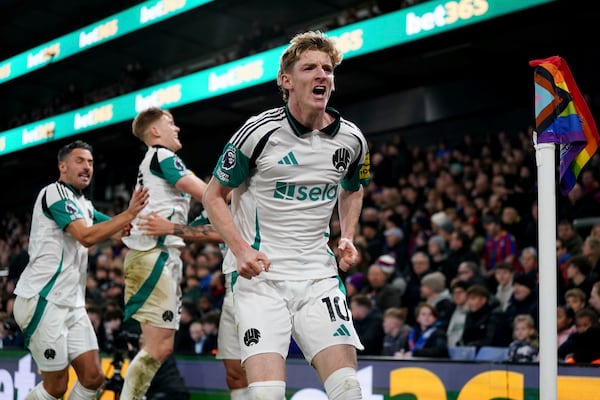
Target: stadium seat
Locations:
point(490, 353)
point(462, 352)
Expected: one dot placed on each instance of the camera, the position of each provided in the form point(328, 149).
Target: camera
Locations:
point(10, 326)
point(124, 342)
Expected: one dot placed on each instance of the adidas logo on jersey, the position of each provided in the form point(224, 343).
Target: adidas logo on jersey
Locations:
point(342, 331)
point(289, 159)
point(291, 191)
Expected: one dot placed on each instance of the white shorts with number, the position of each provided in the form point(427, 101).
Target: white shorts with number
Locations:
point(314, 312)
point(57, 334)
point(152, 289)
point(228, 342)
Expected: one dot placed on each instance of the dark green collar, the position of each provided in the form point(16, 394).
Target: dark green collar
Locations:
point(299, 129)
point(76, 192)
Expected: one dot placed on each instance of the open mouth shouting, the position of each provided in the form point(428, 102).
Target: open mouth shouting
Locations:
point(319, 90)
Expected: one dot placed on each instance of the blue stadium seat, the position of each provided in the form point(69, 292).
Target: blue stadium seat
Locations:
point(490, 353)
point(462, 352)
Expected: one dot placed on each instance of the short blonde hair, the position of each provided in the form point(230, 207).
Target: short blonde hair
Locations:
point(311, 40)
point(396, 313)
point(529, 322)
point(576, 293)
point(145, 118)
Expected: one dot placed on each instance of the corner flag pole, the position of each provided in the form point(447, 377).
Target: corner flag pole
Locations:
point(548, 287)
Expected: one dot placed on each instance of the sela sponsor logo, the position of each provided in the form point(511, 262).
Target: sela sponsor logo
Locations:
point(99, 33)
point(445, 14)
point(37, 133)
point(236, 76)
point(93, 117)
point(292, 191)
point(158, 98)
point(5, 70)
point(159, 9)
point(45, 54)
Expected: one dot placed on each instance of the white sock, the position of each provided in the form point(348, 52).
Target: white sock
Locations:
point(139, 374)
point(39, 393)
point(80, 393)
point(239, 394)
point(343, 385)
point(267, 390)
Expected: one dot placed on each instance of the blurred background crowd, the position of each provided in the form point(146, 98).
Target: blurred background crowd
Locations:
point(448, 257)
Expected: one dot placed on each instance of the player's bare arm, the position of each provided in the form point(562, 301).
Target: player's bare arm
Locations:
point(90, 235)
point(192, 185)
point(250, 262)
point(155, 225)
point(349, 207)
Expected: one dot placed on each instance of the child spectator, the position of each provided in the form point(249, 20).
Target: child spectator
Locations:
point(427, 338)
point(576, 299)
point(525, 346)
point(396, 331)
point(565, 323)
point(583, 345)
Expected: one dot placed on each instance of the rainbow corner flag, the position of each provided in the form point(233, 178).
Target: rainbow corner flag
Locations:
point(563, 117)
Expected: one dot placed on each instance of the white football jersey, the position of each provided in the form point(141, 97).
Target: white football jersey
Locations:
point(288, 178)
point(57, 267)
point(159, 171)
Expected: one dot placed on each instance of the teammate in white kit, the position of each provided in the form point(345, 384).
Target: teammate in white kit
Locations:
point(228, 344)
point(50, 303)
point(153, 267)
point(291, 166)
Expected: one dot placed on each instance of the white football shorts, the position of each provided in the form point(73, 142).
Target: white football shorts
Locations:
point(59, 333)
point(152, 290)
point(313, 311)
point(228, 342)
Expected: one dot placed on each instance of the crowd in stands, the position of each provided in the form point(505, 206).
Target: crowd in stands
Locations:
point(448, 257)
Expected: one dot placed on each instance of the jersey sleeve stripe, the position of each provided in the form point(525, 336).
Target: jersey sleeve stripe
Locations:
point(245, 131)
point(259, 148)
point(45, 208)
point(62, 192)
